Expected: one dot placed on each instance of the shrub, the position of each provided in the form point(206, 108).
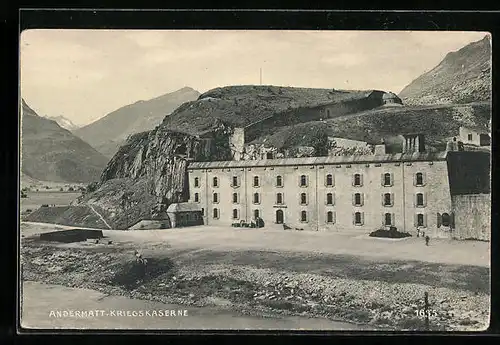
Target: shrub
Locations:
point(92, 187)
point(391, 233)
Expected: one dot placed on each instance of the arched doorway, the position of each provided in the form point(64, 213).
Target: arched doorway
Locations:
point(279, 217)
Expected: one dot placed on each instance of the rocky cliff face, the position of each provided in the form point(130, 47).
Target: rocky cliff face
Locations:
point(149, 173)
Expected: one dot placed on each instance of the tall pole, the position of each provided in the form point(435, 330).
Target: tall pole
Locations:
point(426, 310)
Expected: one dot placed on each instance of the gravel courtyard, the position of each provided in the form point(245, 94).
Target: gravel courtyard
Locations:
point(347, 277)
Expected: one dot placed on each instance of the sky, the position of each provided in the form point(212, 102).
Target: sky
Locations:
point(85, 74)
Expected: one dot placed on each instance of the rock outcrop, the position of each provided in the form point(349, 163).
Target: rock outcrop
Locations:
point(149, 173)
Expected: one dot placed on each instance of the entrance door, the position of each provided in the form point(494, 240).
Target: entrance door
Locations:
point(279, 217)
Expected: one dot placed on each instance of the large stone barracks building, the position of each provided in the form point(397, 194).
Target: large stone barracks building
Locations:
point(445, 194)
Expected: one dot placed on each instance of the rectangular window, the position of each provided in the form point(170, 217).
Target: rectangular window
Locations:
point(303, 199)
point(256, 198)
point(387, 199)
point(279, 198)
point(420, 220)
point(215, 198)
point(216, 213)
point(303, 181)
point(329, 199)
point(235, 198)
point(256, 181)
point(419, 179)
point(387, 219)
point(357, 180)
point(215, 182)
point(387, 180)
point(303, 216)
point(196, 182)
point(329, 180)
point(330, 217)
point(235, 181)
point(235, 213)
point(357, 199)
point(469, 137)
point(358, 218)
point(419, 200)
point(196, 197)
point(256, 213)
point(279, 181)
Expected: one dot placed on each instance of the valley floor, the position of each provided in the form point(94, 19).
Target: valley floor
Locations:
point(345, 277)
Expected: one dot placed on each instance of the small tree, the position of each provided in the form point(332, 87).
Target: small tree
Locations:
point(61, 189)
point(71, 189)
point(92, 187)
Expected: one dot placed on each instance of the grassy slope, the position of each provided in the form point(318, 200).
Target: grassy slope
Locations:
point(244, 105)
point(66, 215)
point(438, 123)
point(51, 153)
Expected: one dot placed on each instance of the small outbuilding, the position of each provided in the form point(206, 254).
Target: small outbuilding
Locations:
point(185, 214)
point(476, 135)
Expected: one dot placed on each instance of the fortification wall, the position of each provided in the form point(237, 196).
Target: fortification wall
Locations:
point(472, 216)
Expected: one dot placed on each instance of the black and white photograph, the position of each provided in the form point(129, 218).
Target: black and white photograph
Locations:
point(255, 180)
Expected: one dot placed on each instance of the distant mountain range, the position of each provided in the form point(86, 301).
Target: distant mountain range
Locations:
point(63, 122)
point(52, 153)
point(109, 132)
point(462, 77)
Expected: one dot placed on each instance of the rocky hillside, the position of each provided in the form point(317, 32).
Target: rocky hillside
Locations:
point(438, 123)
point(110, 132)
point(64, 122)
point(52, 153)
point(241, 106)
point(149, 173)
point(463, 76)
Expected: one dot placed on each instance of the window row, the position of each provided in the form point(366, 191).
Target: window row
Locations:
point(387, 180)
point(388, 219)
point(357, 199)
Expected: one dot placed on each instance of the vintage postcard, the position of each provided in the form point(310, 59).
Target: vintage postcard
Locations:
point(248, 180)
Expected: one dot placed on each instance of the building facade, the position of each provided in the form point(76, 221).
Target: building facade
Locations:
point(328, 193)
point(474, 136)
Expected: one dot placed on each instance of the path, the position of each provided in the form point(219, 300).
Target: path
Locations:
point(101, 217)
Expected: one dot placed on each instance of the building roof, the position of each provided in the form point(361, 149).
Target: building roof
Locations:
point(184, 207)
point(478, 129)
point(396, 157)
